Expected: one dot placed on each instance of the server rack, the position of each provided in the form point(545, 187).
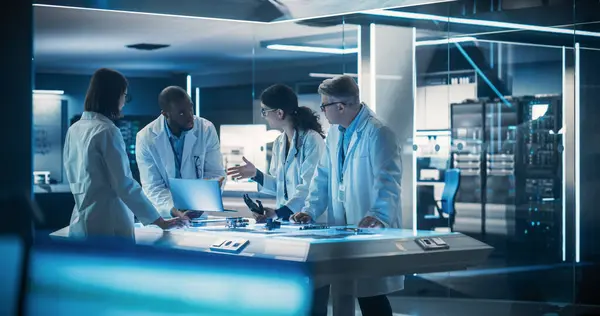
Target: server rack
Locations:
point(539, 193)
point(467, 128)
point(507, 150)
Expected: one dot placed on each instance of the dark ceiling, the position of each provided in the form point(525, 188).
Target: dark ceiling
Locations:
point(241, 10)
point(79, 41)
point(581, 15)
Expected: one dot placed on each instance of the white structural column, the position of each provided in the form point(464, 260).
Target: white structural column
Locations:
point(386, 72)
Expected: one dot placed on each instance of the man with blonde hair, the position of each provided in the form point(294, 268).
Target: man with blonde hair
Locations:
point(357, 182)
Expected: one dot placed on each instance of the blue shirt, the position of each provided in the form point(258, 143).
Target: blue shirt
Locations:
point(177, 146)
point(345, 140)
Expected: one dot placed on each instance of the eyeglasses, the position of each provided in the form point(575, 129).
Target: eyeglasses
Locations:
point(264, 112)
point(323, 106)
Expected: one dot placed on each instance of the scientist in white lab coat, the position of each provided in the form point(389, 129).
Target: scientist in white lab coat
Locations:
point(296, 153)
point(177, 144)
point(357, 182)
point(97, 168)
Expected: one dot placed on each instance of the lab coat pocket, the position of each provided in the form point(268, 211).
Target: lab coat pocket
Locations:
point(361, 159)
point(77, 188)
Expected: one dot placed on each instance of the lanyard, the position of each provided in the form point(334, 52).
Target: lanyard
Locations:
point(284, 169)
point(177, 159)
point(342, 157)
point(341, 194)
point(196, 158)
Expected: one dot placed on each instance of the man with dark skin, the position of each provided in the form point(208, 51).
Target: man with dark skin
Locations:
point(178, 144)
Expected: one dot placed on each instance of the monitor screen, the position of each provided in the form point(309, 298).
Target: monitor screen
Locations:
point(538, 110)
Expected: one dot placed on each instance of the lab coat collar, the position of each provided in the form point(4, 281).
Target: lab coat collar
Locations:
point(163, 145)
point(189, 141)
point(161, 127)
point(361, 121)
point(88, 115)
point(170, 133)
point(293, 150)
point(352, 127)
point(362, 117)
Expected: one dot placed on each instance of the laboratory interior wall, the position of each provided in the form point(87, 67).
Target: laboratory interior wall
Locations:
point(144, 91)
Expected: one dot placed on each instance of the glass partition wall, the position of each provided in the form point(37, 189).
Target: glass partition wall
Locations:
point(584, 77)
point(518, 166)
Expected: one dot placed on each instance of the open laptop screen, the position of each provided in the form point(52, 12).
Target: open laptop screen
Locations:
point(196, 195)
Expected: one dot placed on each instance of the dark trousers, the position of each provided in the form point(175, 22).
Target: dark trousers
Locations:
point(369, 306)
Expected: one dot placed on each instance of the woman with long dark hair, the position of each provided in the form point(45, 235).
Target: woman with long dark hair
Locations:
point(296, 153)
point(106, 195)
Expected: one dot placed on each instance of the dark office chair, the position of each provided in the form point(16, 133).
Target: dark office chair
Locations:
point(445, 207)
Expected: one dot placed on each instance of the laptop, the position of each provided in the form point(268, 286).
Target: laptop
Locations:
point(197, 195)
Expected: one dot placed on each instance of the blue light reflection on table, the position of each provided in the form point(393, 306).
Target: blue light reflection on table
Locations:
point(72, 281)
point(290, 232)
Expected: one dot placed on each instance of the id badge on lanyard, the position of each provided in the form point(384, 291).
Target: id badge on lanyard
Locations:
point(341, 192)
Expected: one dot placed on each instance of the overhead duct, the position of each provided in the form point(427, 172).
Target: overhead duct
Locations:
point(147, 46)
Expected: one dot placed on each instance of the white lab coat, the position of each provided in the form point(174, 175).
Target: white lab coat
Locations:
point(106, 195)
point(201, 159)
point(296, 171)
point(372, 173)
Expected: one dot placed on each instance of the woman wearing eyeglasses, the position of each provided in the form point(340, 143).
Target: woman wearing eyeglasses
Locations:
point(296, 153)
point(97, 168)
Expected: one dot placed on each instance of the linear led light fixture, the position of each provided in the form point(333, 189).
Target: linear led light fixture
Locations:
point(197, 101)
point(429, 133)
point(535, 45)
point(446, 41)
point(373, 68)
point(326, 75)
point(505, 25)
point(359, 59)
point(577, 157)
point(343, 14)
point(55, 92)
point(313, 49)
point(414, 128)
point(433, 132)
point(328, 50)
point(564, 169)
point(188, 80)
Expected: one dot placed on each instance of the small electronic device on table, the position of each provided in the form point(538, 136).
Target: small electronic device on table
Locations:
point(229, 222)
